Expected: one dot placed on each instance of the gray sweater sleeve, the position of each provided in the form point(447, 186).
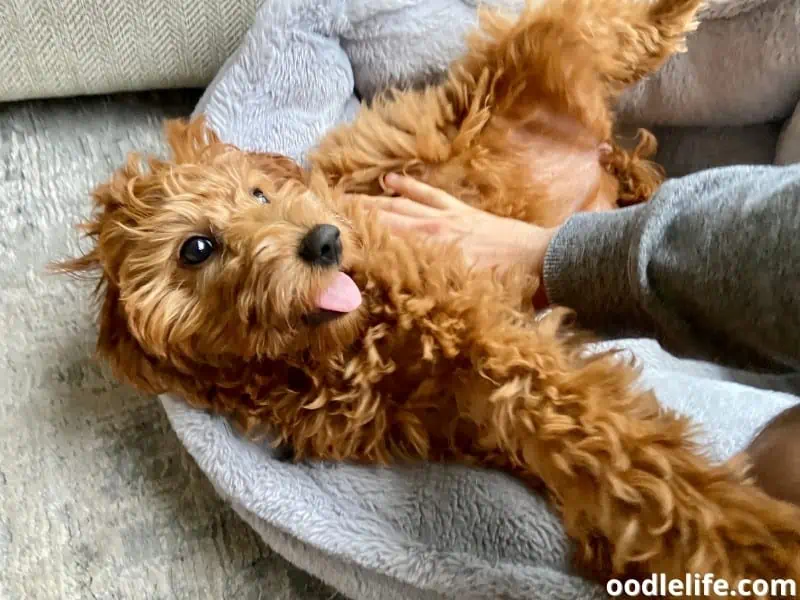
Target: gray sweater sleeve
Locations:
point(710, 267)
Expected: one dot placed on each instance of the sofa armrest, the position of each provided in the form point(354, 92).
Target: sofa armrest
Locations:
point(79, 47)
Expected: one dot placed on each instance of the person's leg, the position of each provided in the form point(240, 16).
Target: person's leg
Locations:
point(775, 456)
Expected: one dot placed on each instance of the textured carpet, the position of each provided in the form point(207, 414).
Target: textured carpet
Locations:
point(97, 497)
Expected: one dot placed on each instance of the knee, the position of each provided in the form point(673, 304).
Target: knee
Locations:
point(775, 456)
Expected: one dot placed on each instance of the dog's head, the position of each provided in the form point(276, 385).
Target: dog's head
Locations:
point(217, 255)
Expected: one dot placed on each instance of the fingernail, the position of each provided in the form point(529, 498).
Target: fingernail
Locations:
point(391, 178)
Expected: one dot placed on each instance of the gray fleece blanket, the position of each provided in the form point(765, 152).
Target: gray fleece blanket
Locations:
point(434, 531)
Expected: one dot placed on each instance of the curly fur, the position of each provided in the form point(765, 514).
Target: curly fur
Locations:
point(522, 125)
point(440, 362)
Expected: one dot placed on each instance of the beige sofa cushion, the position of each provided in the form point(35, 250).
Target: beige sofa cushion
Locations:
point(71, 47)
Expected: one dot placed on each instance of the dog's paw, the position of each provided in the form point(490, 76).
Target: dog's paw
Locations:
point(283, 453)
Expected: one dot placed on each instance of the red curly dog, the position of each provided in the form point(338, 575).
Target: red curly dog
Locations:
point(256, 290)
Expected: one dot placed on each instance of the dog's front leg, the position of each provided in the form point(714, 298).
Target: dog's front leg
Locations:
point(624, 472)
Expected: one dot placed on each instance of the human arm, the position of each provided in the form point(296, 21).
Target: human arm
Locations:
point(486, 240)
point(710, 266)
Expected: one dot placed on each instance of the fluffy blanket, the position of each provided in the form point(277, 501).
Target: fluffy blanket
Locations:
point(434, 531)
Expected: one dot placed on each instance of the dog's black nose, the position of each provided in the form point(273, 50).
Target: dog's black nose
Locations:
point(322, 246)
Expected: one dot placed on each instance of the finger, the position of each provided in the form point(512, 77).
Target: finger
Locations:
point(421, 192)
point(360, 197)
point(402, 206)
point(429, 228)
point(393, 204)
point(398, 222)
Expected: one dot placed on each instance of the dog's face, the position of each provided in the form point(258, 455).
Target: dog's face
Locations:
point(219, 254)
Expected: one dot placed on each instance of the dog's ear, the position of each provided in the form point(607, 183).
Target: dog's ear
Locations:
point(105, 231)
point(279, 168)
point(105, 228)
point(117, 346)
point(78, 266)
point(189, 138)
point(115, 342)
point(104, 203)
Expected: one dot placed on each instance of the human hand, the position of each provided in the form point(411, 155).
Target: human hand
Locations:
point(485, 239)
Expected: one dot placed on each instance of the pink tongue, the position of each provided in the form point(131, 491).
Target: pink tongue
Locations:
point(341, 296)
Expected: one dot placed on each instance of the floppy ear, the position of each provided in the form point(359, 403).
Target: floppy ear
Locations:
point(117, 346)
point(110, 201)
point(115, 343)
point(104, 203)
point(189, 141)
point(188, 138)
point(279, 168)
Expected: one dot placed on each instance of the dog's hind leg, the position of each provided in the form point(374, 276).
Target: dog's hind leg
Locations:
point(573, 55)
point(624, 472)
point(638, 176)
point(636, 38)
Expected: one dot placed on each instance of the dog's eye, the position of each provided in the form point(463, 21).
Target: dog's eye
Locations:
point(260, 196)
point(196, 250)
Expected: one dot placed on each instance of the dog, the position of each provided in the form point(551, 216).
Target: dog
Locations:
point(256, 289)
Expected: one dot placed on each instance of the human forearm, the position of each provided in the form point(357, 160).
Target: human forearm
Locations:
point(711, 267)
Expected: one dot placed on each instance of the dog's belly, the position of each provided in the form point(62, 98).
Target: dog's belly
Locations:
point(541, 171)
point(559, 166)
point(541, 167)
point(573, 177)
